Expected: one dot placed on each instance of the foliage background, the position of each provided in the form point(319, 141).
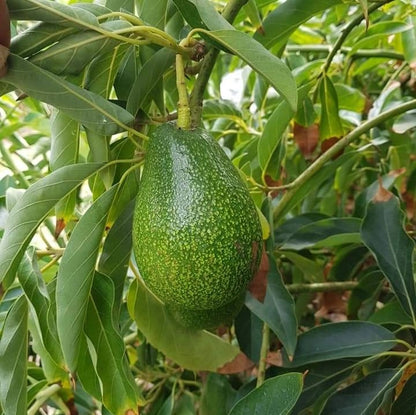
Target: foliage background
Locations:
point(329, 323)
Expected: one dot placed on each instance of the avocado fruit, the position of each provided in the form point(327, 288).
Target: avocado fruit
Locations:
point(196, 232)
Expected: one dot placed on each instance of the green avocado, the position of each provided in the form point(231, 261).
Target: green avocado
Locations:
point(196, 233)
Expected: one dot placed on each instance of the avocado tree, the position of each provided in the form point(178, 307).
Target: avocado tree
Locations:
point(313, 103)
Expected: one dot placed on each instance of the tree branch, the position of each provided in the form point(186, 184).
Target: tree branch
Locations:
point(229, 13)
point(334, 150)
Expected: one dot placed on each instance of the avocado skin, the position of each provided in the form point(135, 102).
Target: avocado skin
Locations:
point(196, 233)
point(208, 319)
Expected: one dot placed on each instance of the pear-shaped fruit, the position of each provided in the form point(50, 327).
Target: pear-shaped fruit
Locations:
point(197, 236)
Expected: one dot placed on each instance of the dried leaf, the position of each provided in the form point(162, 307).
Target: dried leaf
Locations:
point(258, 285)
point(306, 138)
point(239, 364)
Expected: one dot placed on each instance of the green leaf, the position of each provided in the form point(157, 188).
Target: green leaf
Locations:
point(324, 233)
point(150, 73)
point(248, 330)
point(64, 151)
point(275, 396)
point(217, 394)
point(286, 18)
point(339, 340)
point(154, 12)
point(330, 124)
point(349, 98)
point(89, 109)
point(273, 132)
point(38, 37)
point(391, 313)
point(116, 252)
point(278, 309)
point(365, 396)
point(51, 12)
point(75, 276)
point(383, 233)
point(202, 14)
point(73, 53)
point(13, 359)
point(42, 323)
point(119, 391)
point(215, 108)
point(194, 350)
point(409, 41)
point(32, 208)
point(260, 59)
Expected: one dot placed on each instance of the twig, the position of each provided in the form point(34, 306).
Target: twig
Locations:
point(42, 397)
point(229, 13)
point(265, 343)
point(334, 150)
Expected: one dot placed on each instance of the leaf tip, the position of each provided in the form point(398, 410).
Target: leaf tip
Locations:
point(382, 195)
point(59, 227)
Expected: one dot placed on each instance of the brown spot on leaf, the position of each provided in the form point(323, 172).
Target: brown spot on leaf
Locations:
point(258, 285)
point(382, 195)
point(328, 143)
point(4, 53)
point(59, 227)
point(239, 364)
point(306, 139)
point(274, 358)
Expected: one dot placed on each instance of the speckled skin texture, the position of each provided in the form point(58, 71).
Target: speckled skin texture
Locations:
point(196, 232)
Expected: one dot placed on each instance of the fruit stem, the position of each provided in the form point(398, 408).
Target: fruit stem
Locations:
point(265, 343)
point(184, 111)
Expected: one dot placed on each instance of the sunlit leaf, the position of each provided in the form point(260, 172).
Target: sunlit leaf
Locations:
point(194, 350)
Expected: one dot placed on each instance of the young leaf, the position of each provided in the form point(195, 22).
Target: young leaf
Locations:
point(119, 390)
point(383, 233)
point(278, 309)
point(365, 396)
point(194, 350)
point(330, 124)
point(261, 60)
point(409, 42)
point(277, 395)
point(339, 340)
point(13, 359)
point(89, 109)
point(75, 276)
point(32, 208)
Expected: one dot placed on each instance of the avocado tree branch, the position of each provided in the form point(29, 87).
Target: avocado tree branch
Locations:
point(355, 22)
point(229, 13)
point(333, 151)
point(265, 344)
point(321, 287)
